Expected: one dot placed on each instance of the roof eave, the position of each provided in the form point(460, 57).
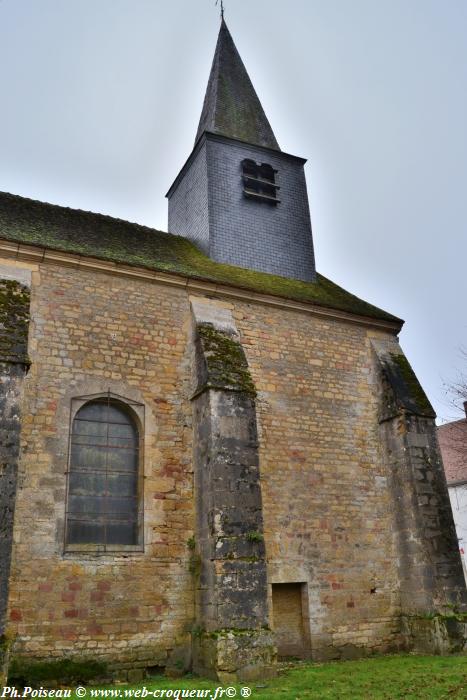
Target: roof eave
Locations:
point(193, 283)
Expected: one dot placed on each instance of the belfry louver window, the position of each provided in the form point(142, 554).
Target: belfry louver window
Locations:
point(259, 181)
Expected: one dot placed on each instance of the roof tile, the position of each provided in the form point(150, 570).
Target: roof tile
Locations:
point(30, 222)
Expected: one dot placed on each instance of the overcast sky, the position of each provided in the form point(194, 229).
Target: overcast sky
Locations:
point(101, 101)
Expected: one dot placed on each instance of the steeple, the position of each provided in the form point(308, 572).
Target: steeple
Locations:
point(231, 106)
point(238, 197)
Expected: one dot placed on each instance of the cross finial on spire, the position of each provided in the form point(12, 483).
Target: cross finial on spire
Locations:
point(222, 8)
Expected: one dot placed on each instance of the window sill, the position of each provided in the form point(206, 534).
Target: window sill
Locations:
point(259, 195)
point(103, 550)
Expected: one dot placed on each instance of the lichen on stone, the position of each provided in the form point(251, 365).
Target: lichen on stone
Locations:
point(408, 392)
point(14, 321)
point(226, 366)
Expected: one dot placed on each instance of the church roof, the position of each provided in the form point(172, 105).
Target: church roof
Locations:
point(93, 235)
point(231, 106)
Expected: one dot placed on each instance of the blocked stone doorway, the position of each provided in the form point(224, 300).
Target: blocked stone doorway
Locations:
point(290, 620)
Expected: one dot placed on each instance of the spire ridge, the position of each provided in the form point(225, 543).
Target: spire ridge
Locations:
point(231, 106)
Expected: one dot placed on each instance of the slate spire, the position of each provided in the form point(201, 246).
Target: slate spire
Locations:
point(231, 106)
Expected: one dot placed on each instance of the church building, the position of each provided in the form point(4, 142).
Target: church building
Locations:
point(211, 455)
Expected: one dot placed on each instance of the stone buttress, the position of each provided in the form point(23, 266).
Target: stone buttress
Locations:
point(232, 639)
point(432, 588)
point(14, 363)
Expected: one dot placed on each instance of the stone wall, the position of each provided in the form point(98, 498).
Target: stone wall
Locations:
point(327, 502)
point(429, 567)
point(234, 641)
point(14, 322)
point(93, 333)
point(430, 570)
point(11, 379)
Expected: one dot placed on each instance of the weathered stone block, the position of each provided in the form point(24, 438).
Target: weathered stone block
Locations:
point(236, 655)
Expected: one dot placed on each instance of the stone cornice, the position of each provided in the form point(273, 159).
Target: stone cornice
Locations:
point(41, 255)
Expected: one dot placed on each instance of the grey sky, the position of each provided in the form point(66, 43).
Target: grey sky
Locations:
point(101, 100)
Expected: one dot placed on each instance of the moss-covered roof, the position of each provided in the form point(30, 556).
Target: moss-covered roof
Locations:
point(84, 233)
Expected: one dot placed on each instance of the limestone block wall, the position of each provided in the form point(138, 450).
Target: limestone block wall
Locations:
point(327, 508)
point(327, 505)
point(92, 333)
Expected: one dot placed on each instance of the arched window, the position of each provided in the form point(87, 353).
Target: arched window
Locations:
point(102, 504)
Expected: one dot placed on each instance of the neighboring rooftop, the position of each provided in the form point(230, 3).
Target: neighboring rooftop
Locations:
point(95, 235)
point(452, 439)
point(231, 106)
